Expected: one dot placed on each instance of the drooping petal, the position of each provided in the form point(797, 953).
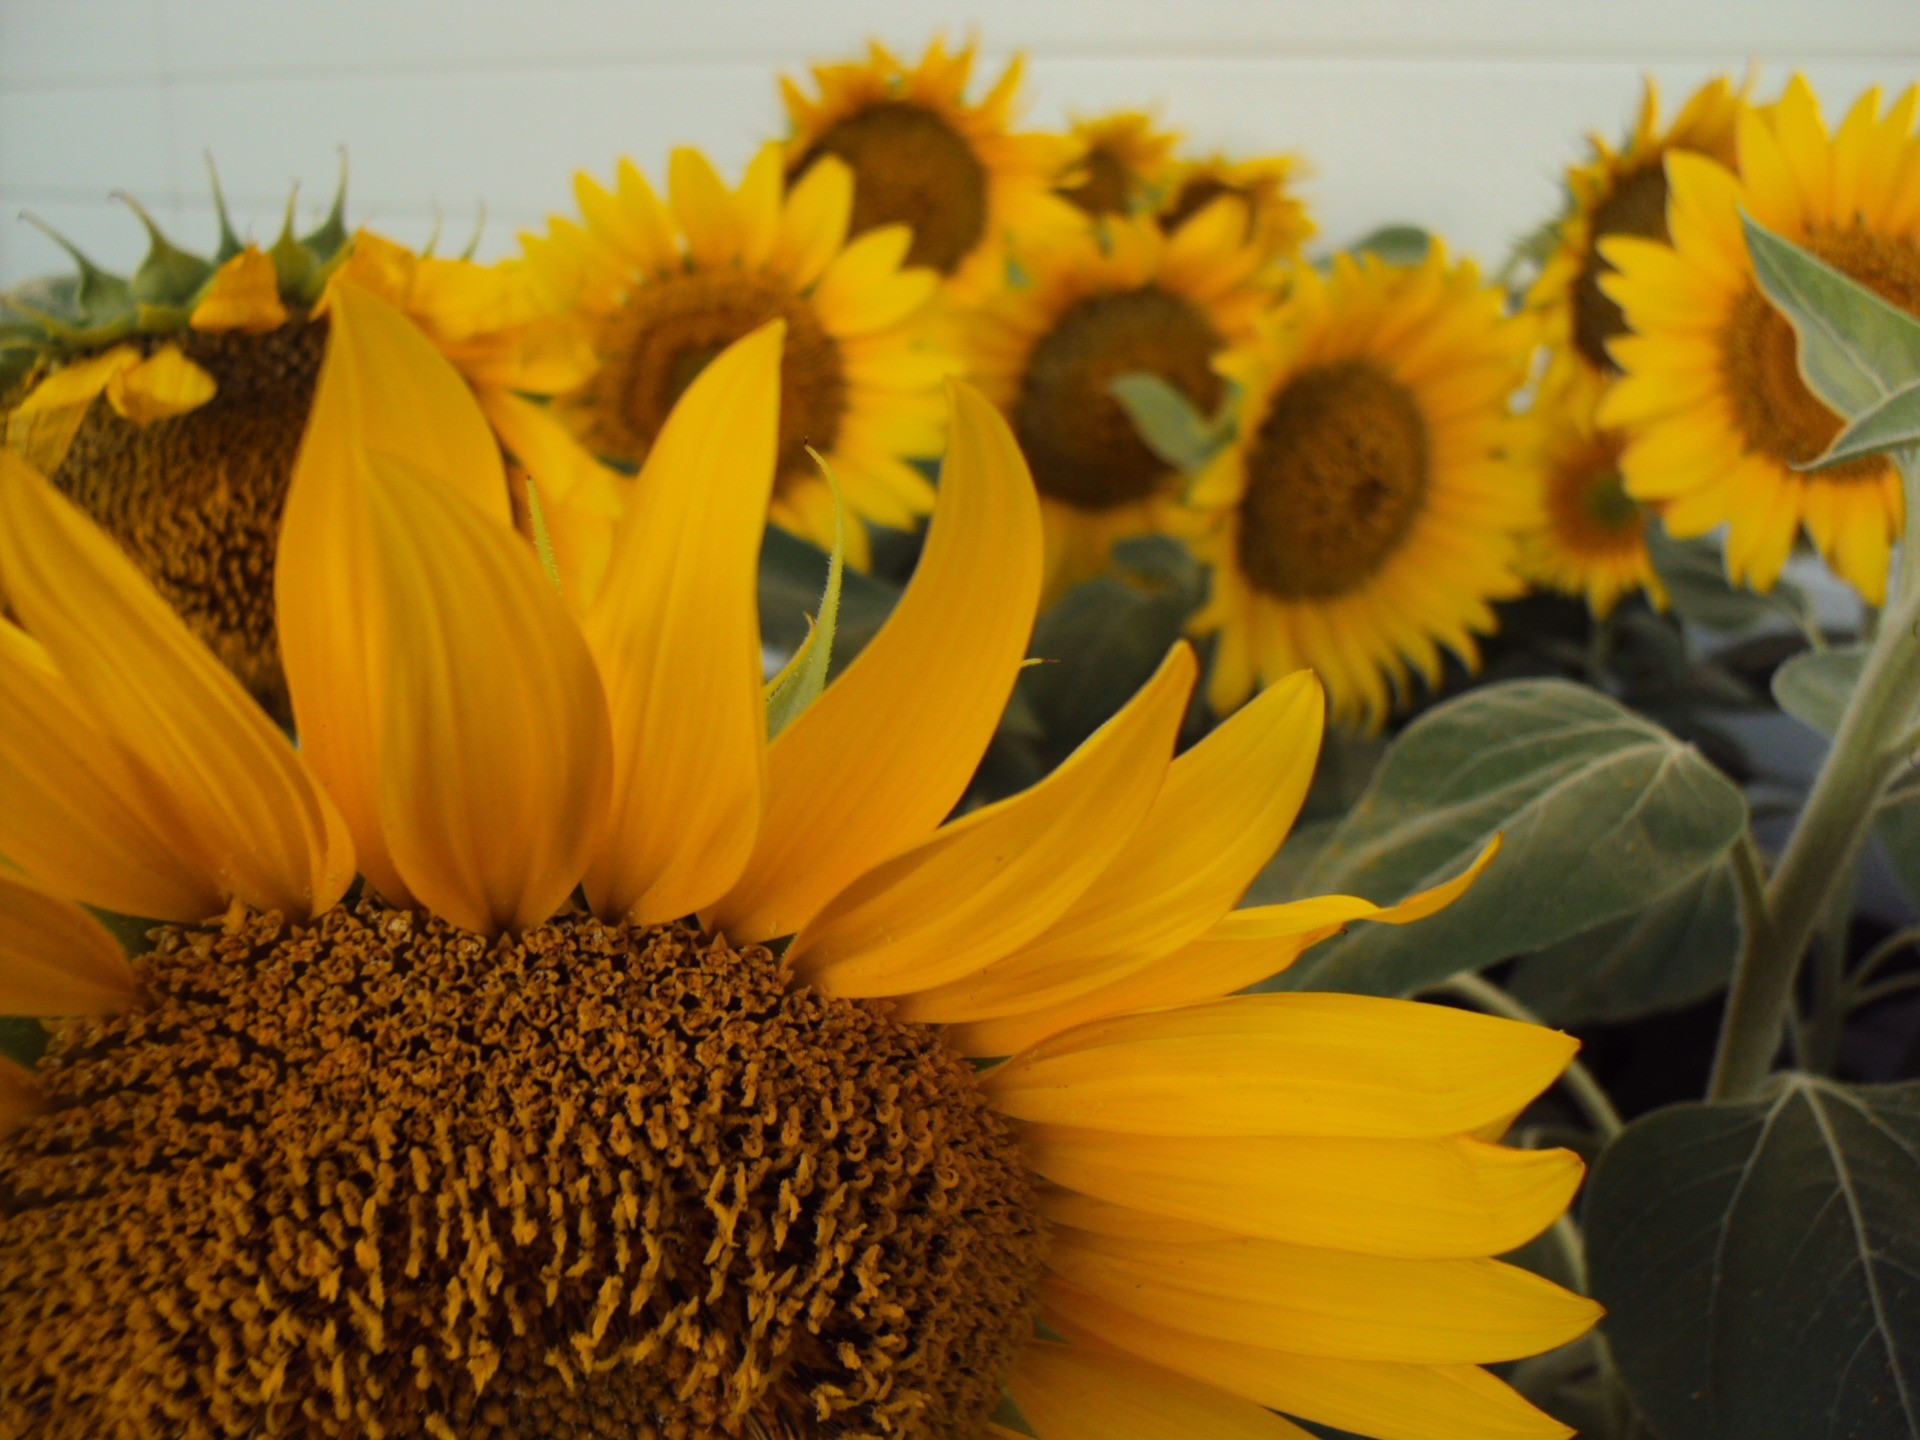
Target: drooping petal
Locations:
point(42, 426)
point(82, 817)
point(1356, 1065)
point(1368, 1397)
point(384, 388)
point(1077, 1392)
point(243, 295)
point(987, 883)
point(675, 630)
point(494, 748)
point(161, 387)
point(884, 754)
point(56, 959)
point(270, 836)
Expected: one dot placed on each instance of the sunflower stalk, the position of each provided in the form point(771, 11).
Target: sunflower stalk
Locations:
point(1826, 843)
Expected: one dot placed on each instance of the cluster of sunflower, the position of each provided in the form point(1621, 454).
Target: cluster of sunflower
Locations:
point(562, 1034)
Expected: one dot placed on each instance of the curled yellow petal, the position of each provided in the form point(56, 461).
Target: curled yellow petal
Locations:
point(243, 295)
point(56, 959)
point(1077, 1392)
point(991, 881)
point(40, 429)
point(247, 806)
point(879, 760)
point(164, 385)
point(494, 752)
point(1354, 1065)
point(675, 630)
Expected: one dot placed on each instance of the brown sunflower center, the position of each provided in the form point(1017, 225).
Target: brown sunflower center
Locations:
point(910, 167)
point(1335, 478)
point(1774, 410)
point(196, 500)
point(1588, 502)
point(1082, 445)
point(667, 332)
point(1637, 205)
point(1108, 186)
point(376, 1176)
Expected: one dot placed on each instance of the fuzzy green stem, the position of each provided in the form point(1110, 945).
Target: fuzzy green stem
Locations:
point(1582, 1088)
point(1823, 850)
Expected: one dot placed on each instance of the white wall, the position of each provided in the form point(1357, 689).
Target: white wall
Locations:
point(1457, 114)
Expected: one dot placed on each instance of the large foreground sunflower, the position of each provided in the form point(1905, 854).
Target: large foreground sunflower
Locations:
point(1716, 411)
point(455, 1154)
point(1365, 514)
point(1619, 192)
point(1098, 304)
point(954, 172)
point(665, 289)
point(170, 407)
point(1591, 537)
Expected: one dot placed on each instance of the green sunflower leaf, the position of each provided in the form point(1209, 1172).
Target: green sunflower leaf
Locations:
point(802, 678)
point(1890, 425)
point(1695, 574)
point(1814, 687)
point(1602, 812)
point(1759, 1263)
point(1855, 348)
point(1167, 422)
point(1395, 244)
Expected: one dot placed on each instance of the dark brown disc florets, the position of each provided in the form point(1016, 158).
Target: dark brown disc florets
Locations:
point(373, 1176)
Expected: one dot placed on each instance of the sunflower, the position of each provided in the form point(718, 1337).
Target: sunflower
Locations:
point(1277, 220)
point(663, 290)
point(170, 406)
point(453, 1154)
point(1126, 166)
point(1716, 413)
point(1592, 536)
point(954, 173)
point(1100, 303)
point(1619, 192)
point(1365, 513)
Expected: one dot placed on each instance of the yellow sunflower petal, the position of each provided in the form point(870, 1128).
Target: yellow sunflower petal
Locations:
point(1328, 1302)
point(250, 809)
point(494, 751)
point(919, 703)
point(1448, 1196)
point(243, 295)
point(56, 959)
point(1225, 807)
point(676, 632)
point(1356, 1065)
point(989, 882)
point(1072, 1392)
point(42, 426)
point(708, 217)
point(384, 388)
point(1368, 1397)
point(814, 224)
point(161, 387)
point(82, 817)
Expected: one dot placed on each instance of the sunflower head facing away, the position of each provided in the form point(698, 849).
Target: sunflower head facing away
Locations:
point(1126, 166)
point(1591, 537)
point(170, 406)
point(1619, 192)
point(1278, 223)
point(954, 172)
point(1716, 412)
point(1365, 514)
point(531, 1134)
point(1108, 300)
point(666, 286)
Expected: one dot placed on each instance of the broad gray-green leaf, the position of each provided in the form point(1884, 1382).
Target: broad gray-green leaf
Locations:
point(1672, 954)
point(1696, 579)
point(1761, 1263)
point(1899, 829)
point(1855, 348)
point(1888, 426)
point(1814, 687)
point(1167, 422)
point(1603, 812)
point(1395, 244)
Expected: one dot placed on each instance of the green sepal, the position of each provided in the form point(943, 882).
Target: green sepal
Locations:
point(98, 294)
point(62, 333)
point(542, 536)
point(162, 319)
point(802, 679)
point(479, 229)
point(230, 242)
point(293, 262)
point(326, 240)
point(169, 275)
